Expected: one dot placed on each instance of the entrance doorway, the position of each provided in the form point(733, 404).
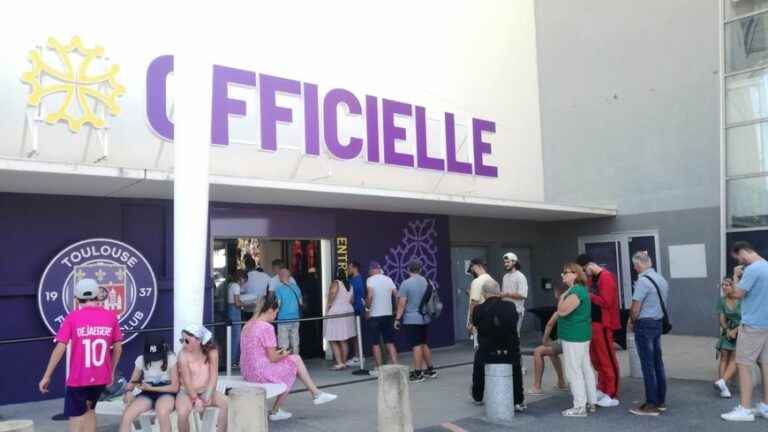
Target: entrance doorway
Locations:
point(302, 256)
point(460, 258)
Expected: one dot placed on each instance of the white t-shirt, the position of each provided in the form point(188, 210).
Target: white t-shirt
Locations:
point(275, 281)
point(476, 291)
point(155, 373)
point(232, 290)
point(518, 284)
point(381, 287)
point(255, 287)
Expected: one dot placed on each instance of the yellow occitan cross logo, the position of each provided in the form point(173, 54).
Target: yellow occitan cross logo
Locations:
point(74, 83)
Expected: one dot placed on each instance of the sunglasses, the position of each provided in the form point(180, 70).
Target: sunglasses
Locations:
point(184, 340)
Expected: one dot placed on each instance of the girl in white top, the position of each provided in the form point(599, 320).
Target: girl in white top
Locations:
point(156, 376)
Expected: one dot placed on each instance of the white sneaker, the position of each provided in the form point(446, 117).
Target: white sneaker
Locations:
point(607, 402)
point(373, 372)
point(762, 410)
point(723, 387)
point(739, 414)
point(324, 397)
point(280, 415)
point(354, 361)
point(601, 395)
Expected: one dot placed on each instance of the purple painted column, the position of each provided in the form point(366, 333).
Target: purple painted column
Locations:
point(393, 133)
point(311, 120)
point(423, 160)
point(482, 148)
point(271, 113)
point(454, 165)
point(330, 122)
point(372, 127)
point(222, 106)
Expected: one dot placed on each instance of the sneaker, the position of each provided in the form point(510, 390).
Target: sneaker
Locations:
point(575, 412)
point(739, 414)
point(645, 410)
point(280, 415)
point(662, 408)
point(601, 395)
point(430, 372)
point(373, 372)
point(591, 409)
point(721, 386)
point(761, 410)
point(324, 397)
point(520, 407)
point(416, 377)
point(535, 392)
point(354, 361)
point(607, 402)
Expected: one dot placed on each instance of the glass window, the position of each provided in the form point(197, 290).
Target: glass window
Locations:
point(747, 202)
point(746, 43)
point(747, 149)
point(746, 96)
point(743, 7)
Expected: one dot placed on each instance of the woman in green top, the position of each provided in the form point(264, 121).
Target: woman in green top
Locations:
point(729, 312)
point(575, 331)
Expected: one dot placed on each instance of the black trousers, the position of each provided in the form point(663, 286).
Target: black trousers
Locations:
point(478, 374)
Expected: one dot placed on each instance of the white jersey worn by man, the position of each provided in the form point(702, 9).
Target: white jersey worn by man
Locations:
point(514, 282)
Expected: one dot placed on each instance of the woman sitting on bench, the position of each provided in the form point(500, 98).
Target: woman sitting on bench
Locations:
point(155, 375)
point(199, 372)
point(262, 362)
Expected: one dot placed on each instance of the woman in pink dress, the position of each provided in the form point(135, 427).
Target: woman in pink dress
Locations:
point(262, 362)
point(339, 330)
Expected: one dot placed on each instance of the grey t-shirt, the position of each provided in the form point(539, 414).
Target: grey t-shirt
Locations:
point(646, 294)
point(412, 289)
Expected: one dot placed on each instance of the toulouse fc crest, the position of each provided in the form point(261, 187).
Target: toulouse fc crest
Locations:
point(127, 284)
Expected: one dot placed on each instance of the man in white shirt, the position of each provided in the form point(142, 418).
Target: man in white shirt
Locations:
point(380, 293)
point(254, 290)
point(479, 270)
point(514, 286)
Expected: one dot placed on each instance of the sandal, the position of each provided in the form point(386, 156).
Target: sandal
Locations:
point(339, 367)
point(533, 392)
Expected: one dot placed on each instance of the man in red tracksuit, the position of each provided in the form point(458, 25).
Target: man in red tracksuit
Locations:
point(604, 294)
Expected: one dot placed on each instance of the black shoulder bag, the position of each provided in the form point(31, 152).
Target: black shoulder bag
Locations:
point(666, 327)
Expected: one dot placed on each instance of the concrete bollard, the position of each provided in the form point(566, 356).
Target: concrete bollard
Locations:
point(635, 367)
point(499, 393)
point(17, 426)
point(247, 410)
point(394, 405)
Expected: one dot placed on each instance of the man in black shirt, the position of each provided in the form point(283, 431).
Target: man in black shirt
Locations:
point(496, 324)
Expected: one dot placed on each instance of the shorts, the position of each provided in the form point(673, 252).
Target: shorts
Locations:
point(416, 334)
point(751, 346)
point(381, 328)
point(557, 347)
point(154, 396)
point(78, 400)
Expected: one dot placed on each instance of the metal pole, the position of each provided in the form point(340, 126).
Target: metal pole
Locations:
point(229, 351)
point(360, 342)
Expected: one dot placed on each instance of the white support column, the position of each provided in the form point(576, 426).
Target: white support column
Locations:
point(192, 129)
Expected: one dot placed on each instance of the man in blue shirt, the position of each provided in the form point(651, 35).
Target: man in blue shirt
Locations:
point(751, 280)
point(289, 297)
point(358, 292)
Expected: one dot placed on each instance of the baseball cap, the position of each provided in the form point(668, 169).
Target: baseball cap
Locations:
point(86, 289)
point(476, 261)
point(374, 265)
point(153, 348)
point(510, 256)
point(199, 332)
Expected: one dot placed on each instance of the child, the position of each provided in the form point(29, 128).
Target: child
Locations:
point(729, 312)
point(199, 372)
point(156, 377)
point(92, 331)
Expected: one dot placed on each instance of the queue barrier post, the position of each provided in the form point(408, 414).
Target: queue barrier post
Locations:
point(229, 350)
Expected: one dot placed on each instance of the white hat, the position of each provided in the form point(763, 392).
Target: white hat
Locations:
point(199, 332)
point(86, 289)
point(510, 256)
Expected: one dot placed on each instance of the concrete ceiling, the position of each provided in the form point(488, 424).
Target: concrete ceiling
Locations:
point(59, 179)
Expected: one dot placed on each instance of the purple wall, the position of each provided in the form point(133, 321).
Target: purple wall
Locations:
point(34, 228)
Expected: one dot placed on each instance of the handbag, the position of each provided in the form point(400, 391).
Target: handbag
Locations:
point(666, 327)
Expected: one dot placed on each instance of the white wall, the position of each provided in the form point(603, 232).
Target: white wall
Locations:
point(475, 59)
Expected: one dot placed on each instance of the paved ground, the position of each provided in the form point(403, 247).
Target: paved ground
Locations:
point(692, 400)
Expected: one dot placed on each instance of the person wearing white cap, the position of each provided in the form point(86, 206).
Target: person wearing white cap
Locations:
point(95, 339)
point(198, 364)
point(514, 286)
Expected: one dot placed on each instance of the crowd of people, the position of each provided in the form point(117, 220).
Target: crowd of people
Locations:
point(581, 329)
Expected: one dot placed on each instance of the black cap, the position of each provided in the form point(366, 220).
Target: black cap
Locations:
point(476, 261)
point(154, 348)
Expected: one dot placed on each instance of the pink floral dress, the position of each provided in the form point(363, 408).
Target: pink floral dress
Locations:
point(255, 364)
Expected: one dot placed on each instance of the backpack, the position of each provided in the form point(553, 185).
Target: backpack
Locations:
point(431, 305)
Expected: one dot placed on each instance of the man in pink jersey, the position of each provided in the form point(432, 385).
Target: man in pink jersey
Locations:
point(94, 335)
